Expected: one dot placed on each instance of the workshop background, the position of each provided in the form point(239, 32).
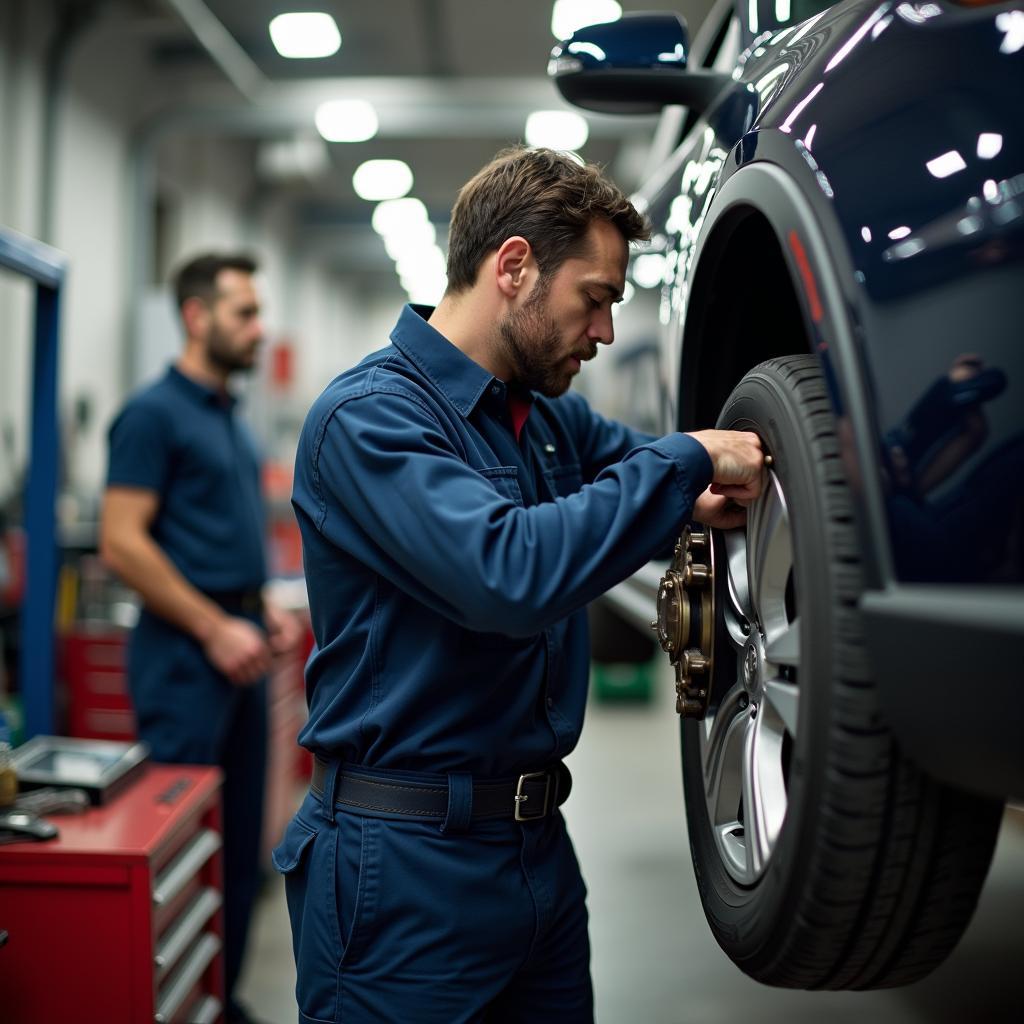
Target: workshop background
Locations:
point(135, 132)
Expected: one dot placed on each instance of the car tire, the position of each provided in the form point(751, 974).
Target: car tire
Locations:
point(824, 858)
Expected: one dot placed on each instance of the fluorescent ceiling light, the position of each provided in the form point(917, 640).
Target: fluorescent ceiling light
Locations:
point(305, 35)
point(412, 239)
point(947, 164)
point(569, 15)
point(346, 120)
point(382, 179)
point(556, 129)
point(395, 215)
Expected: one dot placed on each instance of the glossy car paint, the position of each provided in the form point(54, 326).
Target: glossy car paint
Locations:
point(879, 143)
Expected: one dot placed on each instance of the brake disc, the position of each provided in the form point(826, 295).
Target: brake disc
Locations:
point(686, 619)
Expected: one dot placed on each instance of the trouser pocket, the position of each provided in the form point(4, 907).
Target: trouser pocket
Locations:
point(325, 867)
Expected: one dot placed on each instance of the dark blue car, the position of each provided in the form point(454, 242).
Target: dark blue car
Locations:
point(838, 209)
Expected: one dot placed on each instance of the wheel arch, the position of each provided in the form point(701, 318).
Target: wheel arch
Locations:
point(767, 268)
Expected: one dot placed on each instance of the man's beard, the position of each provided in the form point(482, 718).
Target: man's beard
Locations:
point(221, 353)
point(532, 346)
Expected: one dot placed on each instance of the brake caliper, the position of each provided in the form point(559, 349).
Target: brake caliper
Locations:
point(686, 620)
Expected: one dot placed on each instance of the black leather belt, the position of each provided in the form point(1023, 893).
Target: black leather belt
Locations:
point(531, 796)
point(246, 602)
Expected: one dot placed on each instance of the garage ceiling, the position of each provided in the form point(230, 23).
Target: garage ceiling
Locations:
point(452, 81)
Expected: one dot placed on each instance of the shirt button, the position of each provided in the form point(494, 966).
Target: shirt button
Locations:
point(495, 390)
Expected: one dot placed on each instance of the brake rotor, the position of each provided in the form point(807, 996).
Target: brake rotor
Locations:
point(686, 619)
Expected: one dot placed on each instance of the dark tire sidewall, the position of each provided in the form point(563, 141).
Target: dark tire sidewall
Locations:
point(748, 921)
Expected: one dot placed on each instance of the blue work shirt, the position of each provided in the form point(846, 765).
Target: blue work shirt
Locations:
point(183, 440)
point(449, 566)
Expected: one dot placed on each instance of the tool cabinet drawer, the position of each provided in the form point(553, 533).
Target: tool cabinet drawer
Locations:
point(129, 900)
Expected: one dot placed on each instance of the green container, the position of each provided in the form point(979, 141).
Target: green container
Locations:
point(623, 681)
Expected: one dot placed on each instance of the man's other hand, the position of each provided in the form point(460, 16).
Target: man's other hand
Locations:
point(719, 511)
point(239, 650)
point(284, 631)
point(738, 462)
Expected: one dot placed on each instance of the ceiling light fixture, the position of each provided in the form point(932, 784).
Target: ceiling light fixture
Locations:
point(346, 120)
point(556, 129)
point(395, 215)
point(300, 36)
point(569, 15)
point(376, 180)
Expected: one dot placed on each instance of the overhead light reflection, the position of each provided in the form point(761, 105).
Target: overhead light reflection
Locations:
point(648, 270)
point(1011, 24)
point(795, 112)
point(946, 164)
point(856, 38)
point(904, 250)
point(782, 10)
point(865, 233)
point(989, 145)
point(809, 137)
point(990, 190)
point(591, 49)
point(898, 233)
point(752, 16)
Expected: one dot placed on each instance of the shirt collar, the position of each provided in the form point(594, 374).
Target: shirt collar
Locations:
point(462, 380)
point(200, 392)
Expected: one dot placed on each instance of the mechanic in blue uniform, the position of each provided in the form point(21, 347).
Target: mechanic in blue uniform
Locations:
point(458, 511)
point(183, 524)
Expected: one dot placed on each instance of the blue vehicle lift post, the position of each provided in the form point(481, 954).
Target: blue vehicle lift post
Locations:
point(47, 267)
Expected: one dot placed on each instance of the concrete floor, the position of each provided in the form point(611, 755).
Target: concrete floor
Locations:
point(654, 959)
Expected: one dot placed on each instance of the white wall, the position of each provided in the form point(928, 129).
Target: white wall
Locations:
point(208, 184)
point(23, 32)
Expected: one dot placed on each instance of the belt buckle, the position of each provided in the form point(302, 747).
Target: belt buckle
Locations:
point(521, 797)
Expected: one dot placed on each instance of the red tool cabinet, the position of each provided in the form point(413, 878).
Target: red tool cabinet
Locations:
point(118, 920)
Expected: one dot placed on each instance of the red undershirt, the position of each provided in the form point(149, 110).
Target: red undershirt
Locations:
point(518, 408)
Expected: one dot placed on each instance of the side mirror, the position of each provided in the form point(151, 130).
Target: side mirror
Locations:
point(635, 65)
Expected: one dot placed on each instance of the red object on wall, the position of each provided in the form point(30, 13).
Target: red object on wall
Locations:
point(118, 919)
point(282, 365)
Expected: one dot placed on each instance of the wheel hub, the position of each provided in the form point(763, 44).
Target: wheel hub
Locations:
point(686, 620)
point(753, 667)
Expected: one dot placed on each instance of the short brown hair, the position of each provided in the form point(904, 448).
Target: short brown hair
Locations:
point(543, 195)
point(197, 279)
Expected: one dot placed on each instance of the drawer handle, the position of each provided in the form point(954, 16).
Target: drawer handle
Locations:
point(186, 978)
point(180, 936)
point(206, 1011)
point(176, 875)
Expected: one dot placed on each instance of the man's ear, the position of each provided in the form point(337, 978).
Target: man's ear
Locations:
point(195, 315)
point(514, 266)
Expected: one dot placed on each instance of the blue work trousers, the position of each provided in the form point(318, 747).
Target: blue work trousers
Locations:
point(188, 713)
point(398, 921)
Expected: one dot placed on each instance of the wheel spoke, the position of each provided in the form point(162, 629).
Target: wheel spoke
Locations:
point(769, 557)
point(784, 697)
point(764, 798)
point(736, 612)
point(783, 648)
point(722, 752)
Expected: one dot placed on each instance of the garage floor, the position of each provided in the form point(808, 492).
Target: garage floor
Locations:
point(654, 960)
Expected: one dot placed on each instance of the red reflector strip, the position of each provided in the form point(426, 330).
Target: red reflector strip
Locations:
point(810, 285)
